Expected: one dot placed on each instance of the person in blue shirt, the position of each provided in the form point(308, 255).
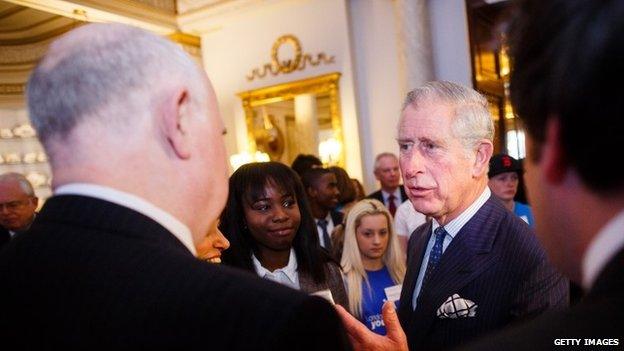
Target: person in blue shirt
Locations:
point(504, 176)
point(372, 261)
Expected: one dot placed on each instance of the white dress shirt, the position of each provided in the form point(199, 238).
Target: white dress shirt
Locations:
point(602, 249)
point(172, 224)
point(287, 275)
point(452, 228)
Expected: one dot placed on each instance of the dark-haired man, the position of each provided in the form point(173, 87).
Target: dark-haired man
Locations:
point(303, 162)
point(322, 189)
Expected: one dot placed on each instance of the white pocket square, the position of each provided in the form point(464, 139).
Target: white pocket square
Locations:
point(457, 307)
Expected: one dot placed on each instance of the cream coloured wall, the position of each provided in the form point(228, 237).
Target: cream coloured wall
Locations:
point(235, 43)
point(372, 49)
point(369, 43)
point(451, 44)
point(379, 91)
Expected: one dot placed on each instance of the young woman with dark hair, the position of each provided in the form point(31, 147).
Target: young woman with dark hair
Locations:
point(268, 222)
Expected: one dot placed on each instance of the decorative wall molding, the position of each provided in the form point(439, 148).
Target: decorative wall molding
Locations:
point(204, 16)
point(142, 14)
point(51, 34)
point(298, 62)
point(30, 26)
point(164, 5)
point(184, 6)
point(22, 54)
point(185, 39)
point(12, 89)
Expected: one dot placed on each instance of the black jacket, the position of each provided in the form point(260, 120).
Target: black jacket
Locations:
point(92, 274)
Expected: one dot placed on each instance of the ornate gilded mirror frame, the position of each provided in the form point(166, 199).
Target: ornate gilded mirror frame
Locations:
point(325, 86)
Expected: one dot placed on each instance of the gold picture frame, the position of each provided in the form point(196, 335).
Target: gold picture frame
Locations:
point(262, 128)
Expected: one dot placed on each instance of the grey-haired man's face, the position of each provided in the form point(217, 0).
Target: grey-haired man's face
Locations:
point(17, 209)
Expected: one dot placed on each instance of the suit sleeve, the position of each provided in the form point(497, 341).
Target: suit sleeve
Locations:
point(336, 285)
point(314, 325)
point(543, 288)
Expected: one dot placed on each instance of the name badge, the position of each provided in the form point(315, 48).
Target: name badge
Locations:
point(393, 293)
point(326, 294)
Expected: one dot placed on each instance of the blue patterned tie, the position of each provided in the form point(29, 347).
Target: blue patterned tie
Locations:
point(435, 254)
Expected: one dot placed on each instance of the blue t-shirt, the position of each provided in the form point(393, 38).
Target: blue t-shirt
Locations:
point(373, 299)
point(524, 212)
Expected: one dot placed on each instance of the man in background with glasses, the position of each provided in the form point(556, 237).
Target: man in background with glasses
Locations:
point(17, 205)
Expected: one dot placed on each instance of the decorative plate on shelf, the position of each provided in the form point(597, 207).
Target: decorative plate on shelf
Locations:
point(6, 133)
point(24, 131)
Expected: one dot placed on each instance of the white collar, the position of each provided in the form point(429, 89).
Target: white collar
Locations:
point(328, 218)
point(290, 270)
point(453, 227)
point(172, 224)
point(606, 244)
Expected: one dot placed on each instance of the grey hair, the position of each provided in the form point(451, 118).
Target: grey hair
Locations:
point(472, 121)
point(24, 184)
point(382, 155)
point(107, 71)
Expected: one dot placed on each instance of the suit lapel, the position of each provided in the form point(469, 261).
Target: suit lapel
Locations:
point(466, 257)
point(336, 217)
point(416, 251)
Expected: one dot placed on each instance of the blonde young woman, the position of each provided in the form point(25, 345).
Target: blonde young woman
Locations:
point(372, 260)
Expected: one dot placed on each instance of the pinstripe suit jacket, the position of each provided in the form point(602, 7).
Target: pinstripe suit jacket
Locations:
point(494, 261)
point(598, 316)
point(92, 274)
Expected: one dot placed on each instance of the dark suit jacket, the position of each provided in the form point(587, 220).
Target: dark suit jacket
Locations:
point(598, 316)
point(336, 217)
point(335, 284)
point(90, 273)
point(378, 196)
point(494, 261)
point(5, 236)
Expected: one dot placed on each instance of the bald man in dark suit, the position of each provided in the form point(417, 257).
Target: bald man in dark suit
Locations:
point(133, 132)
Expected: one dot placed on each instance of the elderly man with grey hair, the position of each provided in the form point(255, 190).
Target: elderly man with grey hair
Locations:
point(391, 193)
point(17, 205)
point(475, 267)
point(133, 134)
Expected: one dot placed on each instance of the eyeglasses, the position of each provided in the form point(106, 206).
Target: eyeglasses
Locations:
point(14, 205)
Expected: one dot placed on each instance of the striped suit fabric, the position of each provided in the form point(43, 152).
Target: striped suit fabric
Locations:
point(597, 321)
point(494, 261)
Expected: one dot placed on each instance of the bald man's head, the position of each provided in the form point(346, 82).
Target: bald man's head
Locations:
point(118, 106)
point(111, 73)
